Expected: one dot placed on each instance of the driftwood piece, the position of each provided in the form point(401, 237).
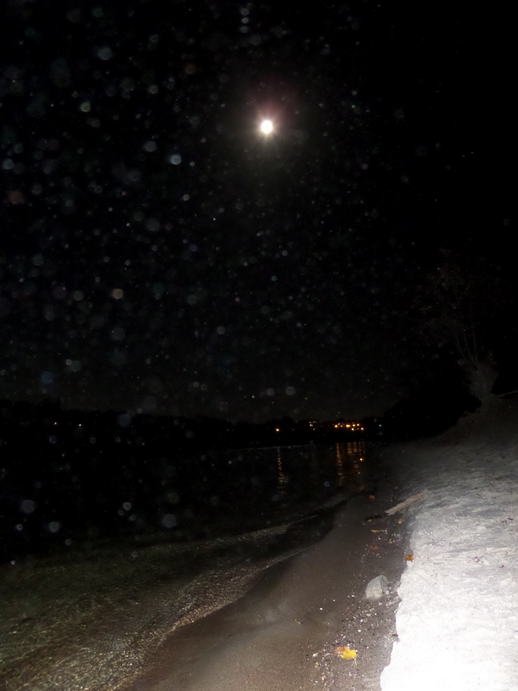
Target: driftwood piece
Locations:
point(405, 504)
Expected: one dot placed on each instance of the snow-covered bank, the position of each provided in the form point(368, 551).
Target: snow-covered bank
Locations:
point(458, 618)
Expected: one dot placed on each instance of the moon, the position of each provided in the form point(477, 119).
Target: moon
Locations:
point(266, 127)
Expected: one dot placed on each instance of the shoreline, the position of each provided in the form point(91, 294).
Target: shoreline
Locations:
point(283, 632)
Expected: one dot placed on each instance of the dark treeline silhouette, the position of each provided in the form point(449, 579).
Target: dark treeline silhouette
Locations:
point(425, 414)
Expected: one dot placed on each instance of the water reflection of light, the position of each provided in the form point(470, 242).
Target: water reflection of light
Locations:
point(282, 478)
point(340, 475)
point(356, 448)
point(349, 459)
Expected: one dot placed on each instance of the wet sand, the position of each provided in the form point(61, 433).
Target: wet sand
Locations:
point(283, 633)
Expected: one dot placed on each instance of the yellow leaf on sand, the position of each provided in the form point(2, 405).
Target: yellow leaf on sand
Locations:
point(346, 653)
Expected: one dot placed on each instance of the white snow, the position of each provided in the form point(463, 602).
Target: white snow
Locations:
point(457, 621)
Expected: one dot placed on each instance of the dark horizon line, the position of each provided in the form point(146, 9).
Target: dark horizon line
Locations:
point(133, 413)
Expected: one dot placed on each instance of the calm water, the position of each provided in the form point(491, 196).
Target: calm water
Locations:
point(171, 496)
point(259, 486)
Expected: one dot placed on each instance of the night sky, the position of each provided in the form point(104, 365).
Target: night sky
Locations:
point(157, 253)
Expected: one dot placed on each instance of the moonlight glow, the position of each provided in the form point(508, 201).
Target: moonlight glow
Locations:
point(266, 127)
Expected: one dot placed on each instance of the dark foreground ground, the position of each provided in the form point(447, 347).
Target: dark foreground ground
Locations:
point(284, 633)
